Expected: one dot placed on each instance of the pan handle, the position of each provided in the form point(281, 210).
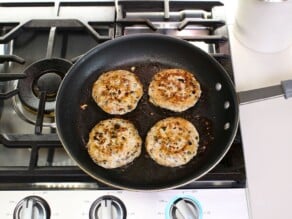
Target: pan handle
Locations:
point(250, 96)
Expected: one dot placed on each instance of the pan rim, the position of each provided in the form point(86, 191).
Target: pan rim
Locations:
point(144, 36)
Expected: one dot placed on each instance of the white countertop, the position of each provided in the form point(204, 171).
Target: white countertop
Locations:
point(265, 127)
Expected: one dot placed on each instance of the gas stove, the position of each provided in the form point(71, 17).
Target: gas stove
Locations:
point(35, 171)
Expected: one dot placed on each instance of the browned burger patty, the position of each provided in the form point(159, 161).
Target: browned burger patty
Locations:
point(174, 89)
point(172, 142)
point(117, 92)
point(114, 143)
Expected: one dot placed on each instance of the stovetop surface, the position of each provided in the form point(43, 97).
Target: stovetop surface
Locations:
point(30, 151)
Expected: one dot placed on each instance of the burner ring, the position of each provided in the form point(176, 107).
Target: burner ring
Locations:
point(44, 75)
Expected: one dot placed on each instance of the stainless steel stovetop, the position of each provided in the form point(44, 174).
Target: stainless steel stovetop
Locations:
point(32, 158)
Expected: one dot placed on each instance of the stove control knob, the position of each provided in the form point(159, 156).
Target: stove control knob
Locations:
point(185, 207)
point(32, 207)
point(107, 207)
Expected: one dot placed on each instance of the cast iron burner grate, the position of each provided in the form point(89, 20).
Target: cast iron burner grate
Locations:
point(179, 17)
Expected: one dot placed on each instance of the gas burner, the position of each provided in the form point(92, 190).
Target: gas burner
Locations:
point(43, 76)
point(30, 116)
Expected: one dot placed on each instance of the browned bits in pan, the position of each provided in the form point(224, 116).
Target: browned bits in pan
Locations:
point(83, 106)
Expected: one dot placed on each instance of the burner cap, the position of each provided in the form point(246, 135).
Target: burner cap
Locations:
point(48, 82)
point(44, 75)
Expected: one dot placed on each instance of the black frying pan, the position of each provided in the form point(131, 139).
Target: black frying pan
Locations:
point(215, 115)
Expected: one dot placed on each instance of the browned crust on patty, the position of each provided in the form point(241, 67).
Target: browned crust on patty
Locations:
point(172, 142)
point(117, 92)
point(114, 143)
point(174, 89)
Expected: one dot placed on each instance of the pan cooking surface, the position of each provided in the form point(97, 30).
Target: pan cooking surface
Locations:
point(209, 115)
point(144, 117)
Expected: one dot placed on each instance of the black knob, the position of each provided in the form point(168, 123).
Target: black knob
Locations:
point(32, 207)
point(107, 207)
